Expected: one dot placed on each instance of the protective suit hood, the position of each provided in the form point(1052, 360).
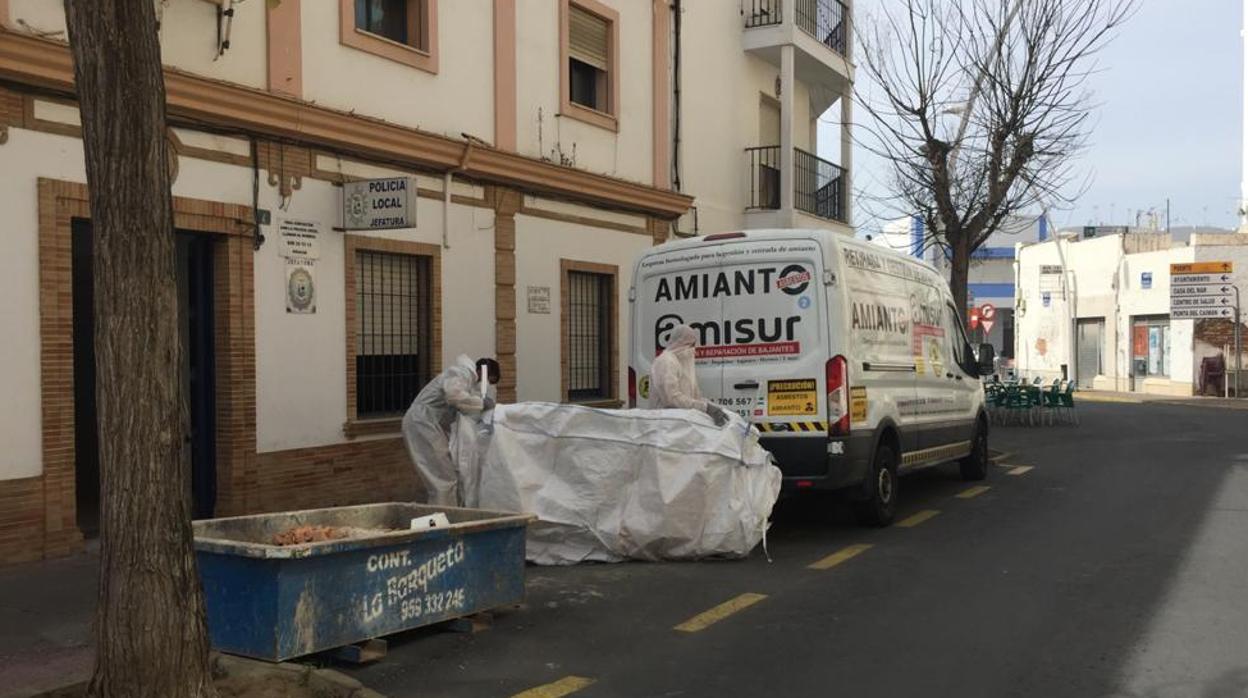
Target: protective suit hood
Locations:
point(673, 376)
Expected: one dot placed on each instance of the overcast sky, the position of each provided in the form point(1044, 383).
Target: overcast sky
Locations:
point(1168, 117)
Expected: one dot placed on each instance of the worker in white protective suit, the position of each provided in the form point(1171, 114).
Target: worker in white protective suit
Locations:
point(673, 380)
point(427, 423)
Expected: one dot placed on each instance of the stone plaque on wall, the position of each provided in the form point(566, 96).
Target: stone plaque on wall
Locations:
point(539, 300)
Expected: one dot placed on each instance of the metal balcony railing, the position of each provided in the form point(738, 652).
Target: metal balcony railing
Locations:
point(764, 177)
point(762, 13)
point(818, 185)
point(826, 20)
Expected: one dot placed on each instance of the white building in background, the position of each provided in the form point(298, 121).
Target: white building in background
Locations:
point(1097, 310)
point(991, 290)
point(544, 143)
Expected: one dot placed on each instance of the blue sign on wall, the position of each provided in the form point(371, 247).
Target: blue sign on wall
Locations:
point(1146, 279)
point(1046, 299)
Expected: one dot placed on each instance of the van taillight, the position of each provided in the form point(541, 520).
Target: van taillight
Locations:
point(838, 396)
point(632, 388)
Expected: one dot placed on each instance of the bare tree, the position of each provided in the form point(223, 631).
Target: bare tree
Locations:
point(150, 630)
point(982, 109)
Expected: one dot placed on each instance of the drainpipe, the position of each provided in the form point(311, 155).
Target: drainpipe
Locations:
point(787, 105)
point(1072, 309)
point(447, 178)
point(446, 210)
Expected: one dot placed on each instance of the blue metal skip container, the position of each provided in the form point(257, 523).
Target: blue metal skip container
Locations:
point(278, 602)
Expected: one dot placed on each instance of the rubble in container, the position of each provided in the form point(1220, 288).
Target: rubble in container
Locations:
point(308, 534)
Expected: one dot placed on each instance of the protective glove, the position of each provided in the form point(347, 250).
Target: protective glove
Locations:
point(717, 414)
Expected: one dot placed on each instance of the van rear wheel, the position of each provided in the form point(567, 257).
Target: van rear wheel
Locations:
point(880, 505)
point(975, 465)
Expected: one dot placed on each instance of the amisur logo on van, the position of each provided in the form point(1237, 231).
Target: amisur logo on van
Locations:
point(759, 336)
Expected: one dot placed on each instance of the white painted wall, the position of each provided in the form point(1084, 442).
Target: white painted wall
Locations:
point(188, 36)
point(627, 154)
point(1041, 333)
point(27, 156)
point(458, 99)
point(720, 118)
point(38, 15)
point(300, 359)
point(188, 40)
point(540, 244)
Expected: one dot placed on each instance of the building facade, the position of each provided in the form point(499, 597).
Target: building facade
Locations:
point(539, 142)
point(1097, 311)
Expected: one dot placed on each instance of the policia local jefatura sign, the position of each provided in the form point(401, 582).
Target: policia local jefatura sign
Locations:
point(379, 204)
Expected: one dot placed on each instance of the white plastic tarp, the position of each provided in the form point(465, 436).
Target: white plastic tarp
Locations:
point(610, 485)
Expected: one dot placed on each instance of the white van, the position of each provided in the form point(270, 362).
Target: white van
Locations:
point(851, 360)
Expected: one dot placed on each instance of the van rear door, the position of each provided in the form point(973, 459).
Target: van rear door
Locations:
point(771, 343)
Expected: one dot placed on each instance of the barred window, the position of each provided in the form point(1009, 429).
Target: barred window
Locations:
point(393, 331)
point(589, 340)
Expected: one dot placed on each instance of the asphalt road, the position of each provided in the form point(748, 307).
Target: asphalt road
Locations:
point(1115, 566)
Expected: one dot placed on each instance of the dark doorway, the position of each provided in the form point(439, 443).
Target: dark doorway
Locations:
point(195, 301)
point(86, 436)
point(195, 304)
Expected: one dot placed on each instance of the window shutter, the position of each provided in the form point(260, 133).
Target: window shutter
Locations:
point(587, 37)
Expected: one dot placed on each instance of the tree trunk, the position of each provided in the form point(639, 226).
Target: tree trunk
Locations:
point(959, 271)
point(150, 630)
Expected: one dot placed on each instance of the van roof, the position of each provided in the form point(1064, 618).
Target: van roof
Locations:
point(820, 234)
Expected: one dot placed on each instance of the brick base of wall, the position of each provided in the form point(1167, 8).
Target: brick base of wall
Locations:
point(337, 475)
point(24, 534)
point(308, 478)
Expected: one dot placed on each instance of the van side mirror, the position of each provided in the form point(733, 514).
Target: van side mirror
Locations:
point(987, 359)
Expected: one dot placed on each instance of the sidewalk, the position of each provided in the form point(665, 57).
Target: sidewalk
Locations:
point(46, 610)
point(1143, 398)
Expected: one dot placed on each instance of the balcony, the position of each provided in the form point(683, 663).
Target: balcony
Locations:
point(819, 30)
point(818, 187)
point(825, 20)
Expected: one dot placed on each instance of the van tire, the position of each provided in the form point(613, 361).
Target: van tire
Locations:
point(975, 466)
point(880, 504)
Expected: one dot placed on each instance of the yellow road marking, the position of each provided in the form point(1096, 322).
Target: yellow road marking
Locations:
point(706, 619)
point(973, 491)
point(836, 558)
point(917, 518)
point(1020, 470)
point(563, 687)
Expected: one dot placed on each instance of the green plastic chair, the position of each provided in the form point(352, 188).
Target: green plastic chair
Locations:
point(1067, 399)
point(1051, 402)
point(994, 396)
point(1019, 405)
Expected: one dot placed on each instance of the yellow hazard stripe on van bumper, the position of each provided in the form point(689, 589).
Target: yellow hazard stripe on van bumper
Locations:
point(791, 427)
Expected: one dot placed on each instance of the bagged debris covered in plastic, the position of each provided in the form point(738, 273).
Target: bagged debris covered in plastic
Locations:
point(610, 485)
point(470, 437)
